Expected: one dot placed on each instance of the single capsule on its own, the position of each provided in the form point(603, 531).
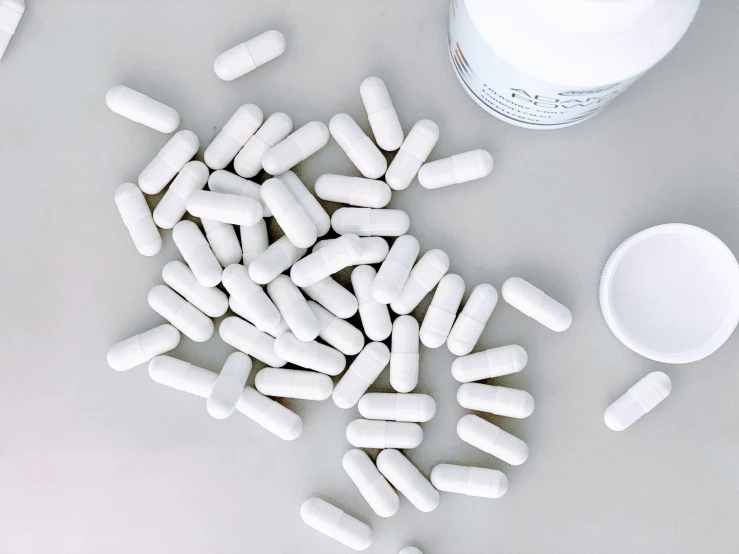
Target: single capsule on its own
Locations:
point(534, 303)
point(247, 56)
point(424, 276)
point(336, 524)
point(193, 323)
point(372, 485)
point(293, 307)
point(232, 138)
point(355, 191)
point(368, 433)
point(396, 268)
point(487, 364)
point(640, 399)
point(342, 252)
point(270, 415)
point(229, 385)
point(209, 300)
point(405, 477)
point(191, 243)
point(404, 357)
point(123, 100)
point(290, 215)
point(492, 439)
point(312, 207)
point(364, 371)
point(374, 249)
point(381, 113)
point(496, 400)
point(172, 206)
point(293, 383)
point(254, 241)
point(412, 154)
point(470, 481)
point(410, 550)
point(137, 218)
point(279, 256)
point(310, 354)
point(248, 161)
point(297, 147)
point(470, 324)
point(258, 307)
point(441, 313)
point(228, 208)
point(168, 162)
point(182, 376)
point(250, 340)
point(375, 316)
point(338, 333)
point(223, 241)
point(143, 347)
point(457, 169)
point(412, 407)
point(332, 296)
point(366, 222)
point(358, 147)
point(226, 182)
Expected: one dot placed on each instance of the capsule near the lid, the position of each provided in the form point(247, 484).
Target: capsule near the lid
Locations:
point(237, 130)
point(169, 161)
point(496, 400)
point(358, 147)
point(229, 385)
point(457, 169)
point(424, 276)
point(412, 154)
point(123, 100)
point(363, 371)
point(640, 399)
point(248, 161)
point(441, 313)
point(365, 222)
point(336, 524)
point(354, 191)
point(470, 323)
point(536, 304)
point(470, 481)
point(405, 477)
point(492, 439)
point(247, 56)
point(404, 357)
point(395, 269)
point(413, 407)
point(381, 114)
point(490, 363)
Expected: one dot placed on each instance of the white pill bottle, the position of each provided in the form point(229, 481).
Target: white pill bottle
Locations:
point(547, 64)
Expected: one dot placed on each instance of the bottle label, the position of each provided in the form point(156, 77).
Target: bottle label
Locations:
point(511, 95)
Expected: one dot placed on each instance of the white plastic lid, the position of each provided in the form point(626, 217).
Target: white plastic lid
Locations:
point(671, 293)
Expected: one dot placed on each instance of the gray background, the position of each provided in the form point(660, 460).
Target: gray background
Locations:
point(97, 461)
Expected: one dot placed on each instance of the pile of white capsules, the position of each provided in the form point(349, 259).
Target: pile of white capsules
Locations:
point(285, 299)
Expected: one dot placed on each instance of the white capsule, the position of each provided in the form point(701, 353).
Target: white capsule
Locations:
point(471, 322)
point(293, 383)
point(227, 183)
point(336, 524)
point(404, 357)
point(366, 222)
point(375, 316)
point(223, 241)
point(342, 252)
point(254, 241)
point(410, 550)
point(372, 485)
point(298, 146)
point(332, 296)
point(471, 481)
point(168, 162)
point(271, 415)
point(180, 313)
point(248, 161)
point(182, 376)
point(232, 138)
point(354, 191)
point(394, 271)
point(171, 207)
point(312, 207)
point(293, 307)
point(254, 303)
point(228, 208)
point(137, 218)
point(405, 477)
point(413, 407)
point(309, 354)
point(381, 113)
point(368, 433)
point(364, 371)
point(457, 169)
point(374, 249)
point(279, 256)
point(442, 311)
point(492, 439)
point(197, 253)
point(424, 276)
point(141, 348)
point(250, 340)
point(358, 147)
point(247, 56)
point(534, 303)
point(209, 300)
point(494, 362)
point(638, 400)
point(129, 103)
point(229, 385)
point(340, 334)
point(496, 400)
point(290, 215)
point(412, 154)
